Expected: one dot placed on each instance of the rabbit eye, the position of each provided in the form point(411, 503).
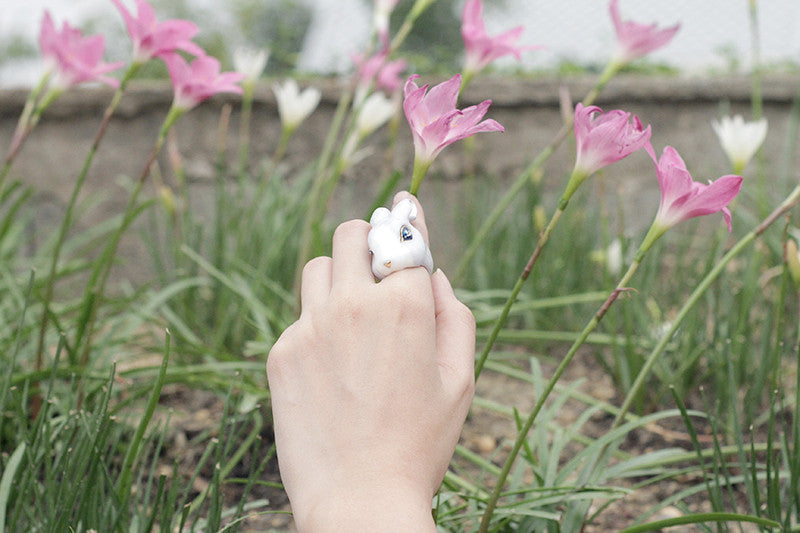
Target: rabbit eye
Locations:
point(405, 234)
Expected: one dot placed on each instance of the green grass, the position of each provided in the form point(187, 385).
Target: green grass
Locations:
point(224, 290)
point(699, 360)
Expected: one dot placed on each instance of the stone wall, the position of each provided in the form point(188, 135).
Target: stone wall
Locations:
point(680, 111)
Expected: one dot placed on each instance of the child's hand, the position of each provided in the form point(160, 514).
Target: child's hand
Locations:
point(370, 389)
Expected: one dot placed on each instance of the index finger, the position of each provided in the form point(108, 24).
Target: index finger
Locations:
point(351, 261)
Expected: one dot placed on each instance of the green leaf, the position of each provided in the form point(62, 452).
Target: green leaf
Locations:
point(699, 519)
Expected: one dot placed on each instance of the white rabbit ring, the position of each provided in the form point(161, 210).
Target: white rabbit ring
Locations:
point(394, 243)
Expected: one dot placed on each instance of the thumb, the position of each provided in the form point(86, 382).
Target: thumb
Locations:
point(455, 336)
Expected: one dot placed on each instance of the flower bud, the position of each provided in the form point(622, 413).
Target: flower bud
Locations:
point(539, 218)
point(793, 260)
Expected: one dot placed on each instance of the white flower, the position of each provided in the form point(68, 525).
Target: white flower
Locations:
point(614, 257)
point(250, 61)
point(740, 139)
point(380, 17)
point(295, 106)
point(374, 112)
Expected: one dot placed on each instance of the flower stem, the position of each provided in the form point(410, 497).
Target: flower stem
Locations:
point(420, 170)
point(522, 434)
point(66, 221)
point(23, 129)
point(102, 267)
point(416, 10)
point(244, 128)
point(526, 272)
point(280, 151)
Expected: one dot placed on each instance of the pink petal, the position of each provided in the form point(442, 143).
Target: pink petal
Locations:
point(712, 198)
point(443, 97)
point(635, 40)
point(683, 198)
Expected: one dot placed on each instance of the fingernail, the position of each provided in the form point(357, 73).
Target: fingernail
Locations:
point(401, 195)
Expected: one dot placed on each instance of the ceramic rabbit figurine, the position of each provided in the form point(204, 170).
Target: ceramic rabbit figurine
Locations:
point(394, 243)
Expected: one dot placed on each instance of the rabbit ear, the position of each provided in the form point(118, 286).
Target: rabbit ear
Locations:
point(379, 214)
point(405, 209)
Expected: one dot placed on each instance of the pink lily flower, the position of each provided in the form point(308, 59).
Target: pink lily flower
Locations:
point(436, 123)
point(683, 198)
point(481, 48)
point(605, 138)
point(195, 82)
point(636, 40)
point(385, 74)
point(602, 139)
point(152, 38)
point(72, 57)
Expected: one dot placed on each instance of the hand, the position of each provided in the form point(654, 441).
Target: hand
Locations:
point(370, 389)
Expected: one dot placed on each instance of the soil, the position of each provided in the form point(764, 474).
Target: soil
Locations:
point(486, 433)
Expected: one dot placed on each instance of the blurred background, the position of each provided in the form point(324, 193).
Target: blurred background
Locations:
point(319, 36)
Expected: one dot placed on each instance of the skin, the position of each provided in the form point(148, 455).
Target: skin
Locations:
point(370, 389)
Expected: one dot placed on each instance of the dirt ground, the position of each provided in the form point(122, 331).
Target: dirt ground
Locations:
point(486, 433)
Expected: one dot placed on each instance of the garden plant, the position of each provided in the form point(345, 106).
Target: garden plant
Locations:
point(693, 323)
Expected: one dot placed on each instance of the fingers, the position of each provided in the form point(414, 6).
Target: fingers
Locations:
point(455, 335)
point(316, 284)
point(419, 222)
point(351, 261)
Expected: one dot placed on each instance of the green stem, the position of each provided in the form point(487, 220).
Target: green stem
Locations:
point(66, 221)
point(102, 267)
point(124, 487)
point(420, 170)
point(23, 129)
point(522, 434)
point(611, 69)
point(794, 461)
point(705, 283)
point(419, 7)
point(244, 128)
point(501, 320)
point(280, 151)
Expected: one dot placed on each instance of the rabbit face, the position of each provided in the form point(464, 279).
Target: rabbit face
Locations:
point(394, 243)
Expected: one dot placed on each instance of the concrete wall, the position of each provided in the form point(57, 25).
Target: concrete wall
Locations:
point(680, 111)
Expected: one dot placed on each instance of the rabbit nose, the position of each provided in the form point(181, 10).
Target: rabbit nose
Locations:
point(387, 264)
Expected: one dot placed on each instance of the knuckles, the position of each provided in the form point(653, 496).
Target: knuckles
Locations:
point(355, 226)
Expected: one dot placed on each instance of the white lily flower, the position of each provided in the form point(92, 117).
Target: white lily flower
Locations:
point(376, 110)
point(295, 106)
point(740, 139)
point(250, 61)
point(373, 113)
point(614, 257)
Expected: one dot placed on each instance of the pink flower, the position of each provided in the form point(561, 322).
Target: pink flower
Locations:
point(72, 57)
point(637, 40)
point(683, 198)
point(481, 48)
point(388, 77)
point(385, 74)
point(607, 138)
point(199, 80)
point(435, 122)
point(152, 38)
